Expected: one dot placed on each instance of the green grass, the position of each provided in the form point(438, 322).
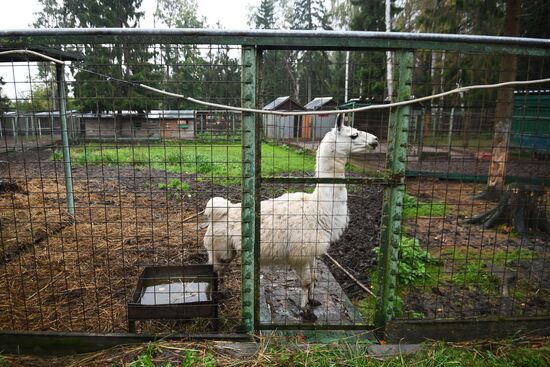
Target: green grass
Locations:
point(220, 162)
point(189, 358)
point(294, 352)
point(175, 185)
point(507, 353)
point(471, 268)
point(438, 355)
point(412, 208)
point(475, 275)
point(57, 155)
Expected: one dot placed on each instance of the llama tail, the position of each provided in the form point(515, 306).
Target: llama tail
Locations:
point(217, 208)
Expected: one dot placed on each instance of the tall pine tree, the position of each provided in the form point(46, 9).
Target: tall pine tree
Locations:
point(130, 62)
point(264, 16)
point(309, 15)
point(183, 66)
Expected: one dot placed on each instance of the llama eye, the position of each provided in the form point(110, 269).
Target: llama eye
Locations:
point(354, 136)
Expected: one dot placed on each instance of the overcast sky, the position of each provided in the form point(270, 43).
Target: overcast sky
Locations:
point(231, 14)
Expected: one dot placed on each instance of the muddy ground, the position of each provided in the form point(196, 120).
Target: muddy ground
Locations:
point(60, 274)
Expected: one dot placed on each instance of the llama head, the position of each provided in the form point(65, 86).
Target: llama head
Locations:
point(350, 140)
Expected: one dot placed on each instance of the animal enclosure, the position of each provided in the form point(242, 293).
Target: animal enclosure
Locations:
point(344, 231)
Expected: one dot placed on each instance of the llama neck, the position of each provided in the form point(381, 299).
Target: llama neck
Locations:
point(330, 165)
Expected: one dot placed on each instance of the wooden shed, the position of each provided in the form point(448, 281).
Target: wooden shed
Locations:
point(125, 125)
point(283, 127)
point(173, 124)
point(315, 127)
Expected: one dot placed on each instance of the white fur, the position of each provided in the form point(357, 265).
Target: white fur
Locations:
point(295, 227)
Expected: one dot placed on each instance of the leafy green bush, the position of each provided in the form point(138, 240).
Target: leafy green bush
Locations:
point(413, 261)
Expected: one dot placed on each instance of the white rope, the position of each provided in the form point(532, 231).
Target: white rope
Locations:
point(351, 110)
point(31, 52)
point(300, 113)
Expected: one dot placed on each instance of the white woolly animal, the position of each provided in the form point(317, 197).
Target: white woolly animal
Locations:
point(295, 227)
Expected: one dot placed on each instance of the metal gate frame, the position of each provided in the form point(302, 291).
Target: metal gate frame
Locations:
point(253, 42)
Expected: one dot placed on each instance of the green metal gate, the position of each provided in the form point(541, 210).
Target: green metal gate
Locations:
point(471, 264)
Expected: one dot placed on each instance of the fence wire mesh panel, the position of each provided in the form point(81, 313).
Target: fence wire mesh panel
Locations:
point(325, 232)
point(143, 167)
point(475, 232)
point(123, 208)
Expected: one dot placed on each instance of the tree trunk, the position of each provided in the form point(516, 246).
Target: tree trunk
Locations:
point(503, 110)
point(520, 206)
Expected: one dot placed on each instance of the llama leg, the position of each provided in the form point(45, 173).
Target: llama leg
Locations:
point(310, 300)
point(209, 246)
point(305, 275)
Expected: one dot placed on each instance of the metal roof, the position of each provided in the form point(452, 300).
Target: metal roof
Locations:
point(318, 102)
point(277, 102)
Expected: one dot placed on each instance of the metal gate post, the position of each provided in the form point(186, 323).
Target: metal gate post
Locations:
point(60, 73)
point(250, 207)
point(392, 209)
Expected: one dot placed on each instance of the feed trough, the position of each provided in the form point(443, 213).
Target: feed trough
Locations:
point(184, 292)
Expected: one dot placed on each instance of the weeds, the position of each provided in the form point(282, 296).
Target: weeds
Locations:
point(413, 261)
point(475, 274)
point(176, 185)
point(186, 358)
point(291, 352)
point(57, 156)
point(145, 359)
point(412, 208)
point(415, 267)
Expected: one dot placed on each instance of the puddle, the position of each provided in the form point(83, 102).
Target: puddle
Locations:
point(175, 291)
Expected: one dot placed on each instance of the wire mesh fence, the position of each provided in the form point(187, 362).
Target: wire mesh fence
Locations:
point(145, 167)
point(475, 265)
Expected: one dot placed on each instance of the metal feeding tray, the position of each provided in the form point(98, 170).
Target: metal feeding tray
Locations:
point(184, 292)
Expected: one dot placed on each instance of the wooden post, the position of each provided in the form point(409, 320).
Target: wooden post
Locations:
point(504, 108)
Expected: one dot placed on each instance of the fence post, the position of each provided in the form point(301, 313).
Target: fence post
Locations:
point(392, 208)
point(60, 72)
point(250, 192)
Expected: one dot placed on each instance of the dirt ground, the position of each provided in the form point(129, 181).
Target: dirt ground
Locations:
point(71, 275)
point(76, 274)
point(507, 275)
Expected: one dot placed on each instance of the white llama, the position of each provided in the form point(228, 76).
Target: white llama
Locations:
point(295, 227)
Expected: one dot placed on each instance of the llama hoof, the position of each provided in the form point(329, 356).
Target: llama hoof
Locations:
point(313, 303)
point(308, 315)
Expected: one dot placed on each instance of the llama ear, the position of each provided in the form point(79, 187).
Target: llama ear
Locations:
point(339, 121)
